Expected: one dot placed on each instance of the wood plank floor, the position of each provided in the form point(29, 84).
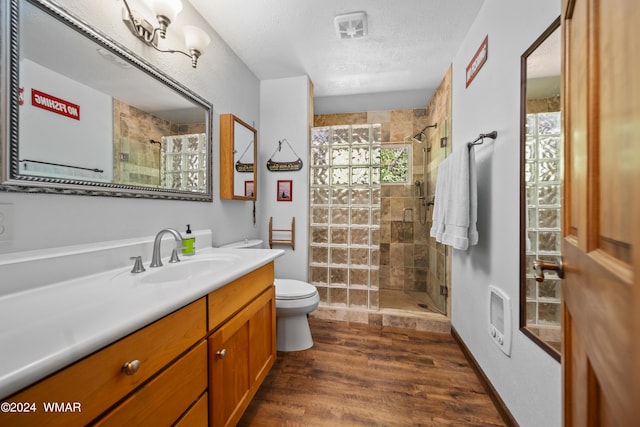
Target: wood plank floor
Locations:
point(362, 375)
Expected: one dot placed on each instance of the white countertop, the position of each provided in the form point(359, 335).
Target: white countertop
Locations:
point(45, 329)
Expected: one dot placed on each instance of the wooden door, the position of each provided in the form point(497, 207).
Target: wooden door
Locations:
point(601, 290)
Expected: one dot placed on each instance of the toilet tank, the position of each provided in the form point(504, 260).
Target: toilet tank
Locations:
point(244, 244)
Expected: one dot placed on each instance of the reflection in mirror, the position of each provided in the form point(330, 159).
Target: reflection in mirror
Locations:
point(89, 117)
point(541, 174)
point(244, 146)
point(238, 151)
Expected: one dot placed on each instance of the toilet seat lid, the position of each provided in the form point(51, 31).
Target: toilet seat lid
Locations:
point(293, 289)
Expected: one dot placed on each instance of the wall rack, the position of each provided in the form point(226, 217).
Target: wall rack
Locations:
point(291, 242)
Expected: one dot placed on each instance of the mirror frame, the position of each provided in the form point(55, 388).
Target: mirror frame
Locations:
point(523, 195)
point(10, 178)
point(227, 158)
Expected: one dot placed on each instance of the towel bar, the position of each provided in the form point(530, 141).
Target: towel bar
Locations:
point(492, 135)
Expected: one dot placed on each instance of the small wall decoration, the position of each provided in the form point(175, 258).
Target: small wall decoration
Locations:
point(248, 189)
point(55, 104)
point(295, 165)
point(285, 190)
point(284, 166)
point(478, 60)
point(244, 167)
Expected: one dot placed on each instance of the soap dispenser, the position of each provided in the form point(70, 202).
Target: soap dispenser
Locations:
point(189, 242)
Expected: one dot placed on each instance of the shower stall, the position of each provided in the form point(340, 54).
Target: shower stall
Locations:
point(369, 236)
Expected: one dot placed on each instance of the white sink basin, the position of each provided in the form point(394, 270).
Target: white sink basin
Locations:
point(185, 270)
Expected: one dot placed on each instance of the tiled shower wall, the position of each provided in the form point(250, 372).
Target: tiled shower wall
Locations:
point(404, 263)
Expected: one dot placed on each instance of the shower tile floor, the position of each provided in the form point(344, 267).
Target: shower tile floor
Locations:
point(406, 300)
point(397, 309)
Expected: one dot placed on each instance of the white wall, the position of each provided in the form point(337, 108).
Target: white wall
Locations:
point(44, 221)
point(87, 141)
point(530, 380)
point(284, 111)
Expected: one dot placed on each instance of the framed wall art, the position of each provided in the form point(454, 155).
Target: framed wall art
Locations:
point(248, 189)
point(285, 190)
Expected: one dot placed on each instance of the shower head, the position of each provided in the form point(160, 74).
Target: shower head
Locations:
point(420, 134)
point(413, 139)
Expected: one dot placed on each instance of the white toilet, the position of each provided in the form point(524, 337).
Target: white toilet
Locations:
point(295, 299)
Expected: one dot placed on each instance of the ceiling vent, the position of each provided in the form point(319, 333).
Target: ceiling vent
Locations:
point(351, 25)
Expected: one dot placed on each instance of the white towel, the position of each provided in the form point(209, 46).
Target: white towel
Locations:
point(440, 201)
point(456, 200)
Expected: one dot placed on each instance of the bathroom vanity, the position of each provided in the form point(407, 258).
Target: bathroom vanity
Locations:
point(200, 364)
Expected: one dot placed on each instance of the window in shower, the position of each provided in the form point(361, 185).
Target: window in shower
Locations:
point(543, 174)
point(345, 214)
point(395, 164)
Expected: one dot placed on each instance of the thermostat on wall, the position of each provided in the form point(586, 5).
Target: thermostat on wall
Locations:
point(500, 319)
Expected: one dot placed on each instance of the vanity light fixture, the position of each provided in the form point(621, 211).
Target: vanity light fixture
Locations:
point(166, 11)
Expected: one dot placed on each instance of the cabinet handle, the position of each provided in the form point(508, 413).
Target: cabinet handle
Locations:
point(220, 354)
point(131, 368)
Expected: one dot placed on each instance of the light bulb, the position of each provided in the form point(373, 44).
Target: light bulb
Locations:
point(195, 38)
point(166, 8)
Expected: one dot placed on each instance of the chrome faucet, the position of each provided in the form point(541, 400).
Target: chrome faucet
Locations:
point(155, 259)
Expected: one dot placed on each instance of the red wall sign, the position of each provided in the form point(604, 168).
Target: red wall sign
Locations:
point(478, 60)
point(56, 105)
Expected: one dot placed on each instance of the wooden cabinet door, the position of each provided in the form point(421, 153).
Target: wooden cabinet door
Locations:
point(601, 246)
point(262, 338)
point(229, 372)
point(241, 353)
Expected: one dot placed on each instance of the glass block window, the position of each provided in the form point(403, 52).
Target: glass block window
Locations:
point(543, 174)
point(345, 214)
point(184, 162)
point(395, 164)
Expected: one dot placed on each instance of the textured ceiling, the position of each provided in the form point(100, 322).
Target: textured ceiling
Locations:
point(409, 45)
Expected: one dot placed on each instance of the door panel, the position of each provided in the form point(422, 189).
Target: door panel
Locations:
point(616, 106)
point(576, 117)
point(601, 105)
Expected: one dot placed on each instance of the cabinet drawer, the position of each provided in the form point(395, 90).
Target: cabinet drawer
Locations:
point(163, 400)
point(197, 415)
point(229, 299)
point(97, 381)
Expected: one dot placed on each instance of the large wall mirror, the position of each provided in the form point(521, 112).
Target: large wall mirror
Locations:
point(541, 192)
point(85, 115)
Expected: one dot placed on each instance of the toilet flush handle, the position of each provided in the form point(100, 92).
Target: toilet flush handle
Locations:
point(220, 354)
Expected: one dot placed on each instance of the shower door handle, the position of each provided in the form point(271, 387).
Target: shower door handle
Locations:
point(539, 266)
